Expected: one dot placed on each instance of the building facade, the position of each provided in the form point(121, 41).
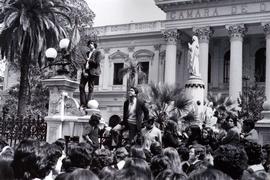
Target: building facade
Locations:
point(234, 39)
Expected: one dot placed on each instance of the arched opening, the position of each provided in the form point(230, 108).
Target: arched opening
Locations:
point(260, 60)
point(226, 68)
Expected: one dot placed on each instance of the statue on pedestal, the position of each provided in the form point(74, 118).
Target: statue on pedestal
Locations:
point(194, 57)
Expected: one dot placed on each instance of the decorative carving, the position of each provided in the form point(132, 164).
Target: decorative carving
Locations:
point(55, 101)
point(236, 31)
point(131, 48)
point(171, 36)
point(157, 47)
point(195, 85)
point(203, 33)
point(266, 29)
point(118, 55)
point(107, 50)
point(71, 107)
point(143, 53)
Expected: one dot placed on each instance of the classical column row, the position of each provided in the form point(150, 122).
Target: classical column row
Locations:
point(236, 33)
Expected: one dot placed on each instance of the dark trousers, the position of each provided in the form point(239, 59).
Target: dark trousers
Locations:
point(90, 80)
point(132, 132)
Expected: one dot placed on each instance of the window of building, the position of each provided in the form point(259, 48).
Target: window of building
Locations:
point(143, 78)
point(260, 60)
point(117, 79)
point(226, 70)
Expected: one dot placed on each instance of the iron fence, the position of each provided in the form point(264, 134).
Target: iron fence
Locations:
point(14, 129)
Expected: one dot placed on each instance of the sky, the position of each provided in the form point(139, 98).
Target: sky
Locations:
point(111, 12)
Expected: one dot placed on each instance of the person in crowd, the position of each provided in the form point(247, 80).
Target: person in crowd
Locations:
point(194, 135)
point(91, 131)
point(266, 157)
point(112, 138)
point(90, 73)
point(231, 160)
point(120, 156)
point(82, 174)
point(171, 137)
point(183, 152)
point(151, 133)
point(255, 168)
point(174, 158)
point(248, 131)
point(107, 173)
point(134, 169)
point(210, 173)
point(207, 138)
point(137, 151)
point(156, 148)
point(169, 174)
point(232, 136)
point(80, 157)
point(101, 158)
point(196, 160)
point(135, 112)
point(160, 163)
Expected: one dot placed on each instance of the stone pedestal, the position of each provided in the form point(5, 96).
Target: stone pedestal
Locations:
point(63, 108)
point(263, 127)
point(194, 89)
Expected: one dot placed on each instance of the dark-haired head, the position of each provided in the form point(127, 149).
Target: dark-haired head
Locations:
point(82, 174)
point(160, 163)
point(231, 160)
point(139, 168)
point(254, 152)
point(94, 119)
point(92, 42)
point(107, 173)
point(135, 89)
point(168, 174)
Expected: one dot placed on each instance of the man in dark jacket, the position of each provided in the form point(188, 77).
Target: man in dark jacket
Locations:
point(135, 112)
point(90, 72)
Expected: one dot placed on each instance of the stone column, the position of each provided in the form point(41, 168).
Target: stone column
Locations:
point(105, 71)
point(155, 64)
point(236, 33)
point(266, 27)
point(171, 37)
point(204, 33)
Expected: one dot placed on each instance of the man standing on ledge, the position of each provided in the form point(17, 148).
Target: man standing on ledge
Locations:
point(90, 72)
point(135, 111)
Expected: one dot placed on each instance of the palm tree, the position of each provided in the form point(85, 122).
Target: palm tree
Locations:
point(132, 69)
point(30, 26)
point(165, 101)
point(223, 102)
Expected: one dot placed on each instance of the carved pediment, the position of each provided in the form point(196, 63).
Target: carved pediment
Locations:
point(118, 55)
point(143, 53)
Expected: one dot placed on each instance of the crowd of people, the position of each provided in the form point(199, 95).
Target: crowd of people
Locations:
point(227, 149)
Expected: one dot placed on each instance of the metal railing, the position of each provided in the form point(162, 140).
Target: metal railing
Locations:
point(13, 129)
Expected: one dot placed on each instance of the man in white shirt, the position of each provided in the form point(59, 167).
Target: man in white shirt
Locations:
point(151, 133)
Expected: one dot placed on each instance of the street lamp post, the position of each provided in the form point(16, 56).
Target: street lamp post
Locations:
point(61, 62)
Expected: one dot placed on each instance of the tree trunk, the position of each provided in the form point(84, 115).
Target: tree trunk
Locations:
point(23, 91)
